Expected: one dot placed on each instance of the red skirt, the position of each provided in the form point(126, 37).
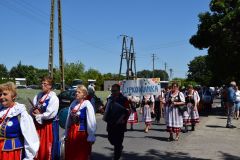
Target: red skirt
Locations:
point(46, 140)
point(77, 147)
point(9, 155)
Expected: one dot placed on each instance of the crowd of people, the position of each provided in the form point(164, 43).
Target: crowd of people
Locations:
point(35, 134)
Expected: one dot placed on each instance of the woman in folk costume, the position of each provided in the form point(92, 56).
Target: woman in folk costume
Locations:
point(191, 116)
point(147, 109)
point(173, 117)
point(80, 127)
point(18, 135)
point(44, 111)
point(133, 118)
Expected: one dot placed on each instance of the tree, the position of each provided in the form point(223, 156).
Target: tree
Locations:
point(3, 71)
point(198, 71)
point(149, 74)
point(25, 71)
point(72, 71)
point(95, 74)
point(219, 32)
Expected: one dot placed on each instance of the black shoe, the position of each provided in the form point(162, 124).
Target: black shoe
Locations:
point(184, 131)
point(230, 126)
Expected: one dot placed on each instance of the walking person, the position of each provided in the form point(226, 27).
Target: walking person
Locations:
point(18, 137)
point(158, 106)
point(237, 103)
point(116, 115)
point(191, 116)
point(147, 110)
point(231, 99)
point(80, 127)
point(173, 117)
point(133, 118)
point(44, 112)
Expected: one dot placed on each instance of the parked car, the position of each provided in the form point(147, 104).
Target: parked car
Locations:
point(66, 98)
point(21, 87)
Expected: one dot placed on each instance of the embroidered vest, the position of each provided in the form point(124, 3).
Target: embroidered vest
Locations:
point(80, 119)
point(10, 131)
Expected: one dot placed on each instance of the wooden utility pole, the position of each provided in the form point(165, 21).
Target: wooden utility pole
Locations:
point(153, 59)
point(61, 63)
point(51, 40)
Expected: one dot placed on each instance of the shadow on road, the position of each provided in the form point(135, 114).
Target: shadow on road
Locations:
point(150, 155)
point(215, 126)
point(158, 138)
point(227, 156)
point(153, 154)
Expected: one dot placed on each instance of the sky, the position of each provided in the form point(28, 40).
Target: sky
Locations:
point(92, 32)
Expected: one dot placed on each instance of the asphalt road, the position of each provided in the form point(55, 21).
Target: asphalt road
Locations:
point(139, 145)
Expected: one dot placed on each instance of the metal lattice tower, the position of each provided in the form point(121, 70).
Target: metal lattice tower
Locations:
point(129, 55)
point(132, 73)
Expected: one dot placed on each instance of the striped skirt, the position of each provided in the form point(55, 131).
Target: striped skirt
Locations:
point(173, 119)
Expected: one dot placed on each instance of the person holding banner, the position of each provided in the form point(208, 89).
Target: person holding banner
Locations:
point(133, 118)
point(147, 109)
point(116, 115)
point(173, 117)
point(80, 127)
point(44, 112)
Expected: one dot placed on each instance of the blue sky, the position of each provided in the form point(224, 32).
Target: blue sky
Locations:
point(92, 29)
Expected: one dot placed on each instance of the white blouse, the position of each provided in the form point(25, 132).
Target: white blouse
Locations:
point(91, 119)
point(31, 140)
point(52, 108)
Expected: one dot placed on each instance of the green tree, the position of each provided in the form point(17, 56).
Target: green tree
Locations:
point(219, 32)
point(3, 71)
point(25, 71)
point(95, 74)
point(198, 71)
point(73, 71)
point(149, 74)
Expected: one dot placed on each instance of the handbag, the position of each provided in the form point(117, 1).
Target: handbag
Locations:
point(182, 109)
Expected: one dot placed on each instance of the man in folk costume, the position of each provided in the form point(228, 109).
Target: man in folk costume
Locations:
point(116, 127)
point(45, 110)
point(18, 136)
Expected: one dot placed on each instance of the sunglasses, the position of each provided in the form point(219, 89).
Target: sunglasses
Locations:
point(45, 84)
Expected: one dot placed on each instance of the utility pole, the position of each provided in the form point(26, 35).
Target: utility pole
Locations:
point(61, 63)
point(51, 40)
point(171, 73)
point(153, 59)
point(165, 66)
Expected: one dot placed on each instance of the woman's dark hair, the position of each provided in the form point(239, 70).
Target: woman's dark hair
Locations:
point(116, 86)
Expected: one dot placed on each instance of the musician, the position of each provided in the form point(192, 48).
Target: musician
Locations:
point(44, 112)
point(18, 134)
point(80, 127)
point(116, 130)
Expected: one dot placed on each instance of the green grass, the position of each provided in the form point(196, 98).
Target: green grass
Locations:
point(24, 94)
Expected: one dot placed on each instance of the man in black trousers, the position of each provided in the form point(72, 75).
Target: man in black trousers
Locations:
point(117, 122)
